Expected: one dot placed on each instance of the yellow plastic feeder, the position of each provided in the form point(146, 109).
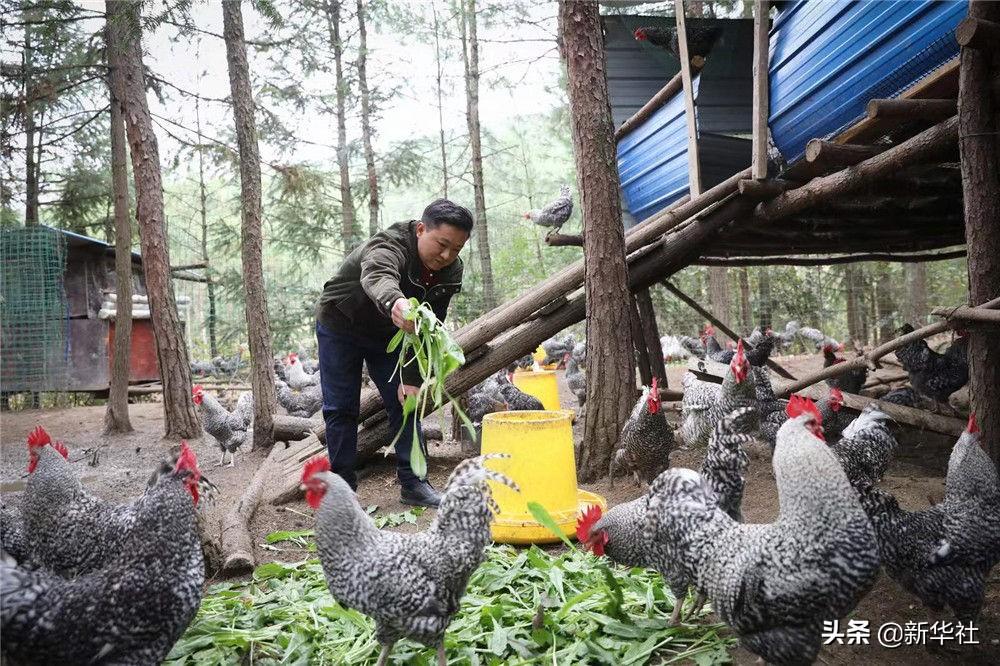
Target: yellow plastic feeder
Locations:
point(542, 463)
point(542, 384)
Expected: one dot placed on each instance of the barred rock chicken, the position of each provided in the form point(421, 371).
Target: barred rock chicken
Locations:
point(818, 338)
point(134, 607)
point(852, 381)
point(13, 538)
point(202, 368)
point(770, 410)
point(304, 403)
point(904, 396)
point(483, 402)
point(556, 213)
point(580, 353)
point(410, 584)
point(703, 406)
point(672, 349)
point(944, 554)
point(775, 583)
point(693, 346)
point(298, 378)
point(835, 419)
point(516, 399)
point(866, 447)
point(647, 439)
point(575, 379)
point(713, 350)
point(931, 373)
point(231, 430)
point(616, 534)
point(785, 338)
point(726, 460)
point(700, 39)
point(556, 350)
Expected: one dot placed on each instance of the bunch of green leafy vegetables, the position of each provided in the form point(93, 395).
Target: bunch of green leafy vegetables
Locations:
point(522, 606)
point(436, 355)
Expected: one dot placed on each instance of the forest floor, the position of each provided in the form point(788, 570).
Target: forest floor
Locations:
point(125, 462)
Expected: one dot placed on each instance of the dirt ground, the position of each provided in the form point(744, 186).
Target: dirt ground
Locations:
point(124, 463)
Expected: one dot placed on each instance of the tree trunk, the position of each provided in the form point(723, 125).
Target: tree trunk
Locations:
point(639, 344)
point(30, 170)
point(471, 49)
point(116, 418)
point(916, 293)
point(440, 103)
point(852, 303)
point(171, 349)
point(213, 344)
point(651, 334)
point(765, 315)
point(366, 121)
point(746, 321)
point(609, 357)
point(718, 296)
point(980, 153)
point(349, 227)
point(255, 294)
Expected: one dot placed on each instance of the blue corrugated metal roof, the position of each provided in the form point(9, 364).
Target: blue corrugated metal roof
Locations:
point(829, 58)
point(653, 159)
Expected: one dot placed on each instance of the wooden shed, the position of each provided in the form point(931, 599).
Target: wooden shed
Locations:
point(57, 313)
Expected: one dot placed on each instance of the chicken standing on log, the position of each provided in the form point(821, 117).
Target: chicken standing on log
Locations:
point(774, 584)
point(555, 214)
point(134, 606)
point(410, 584)
point(647, 440)
point(932, 374)
point(700, 39)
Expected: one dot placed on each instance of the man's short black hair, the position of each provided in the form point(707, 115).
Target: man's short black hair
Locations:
point(444, 211)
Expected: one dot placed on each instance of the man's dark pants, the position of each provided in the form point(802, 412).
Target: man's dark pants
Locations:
point(340, 358)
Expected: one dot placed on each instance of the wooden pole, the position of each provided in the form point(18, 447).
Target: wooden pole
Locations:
point(865, 359)
point(761, 51)
point(762, 190)
point(980, 154)
point(662, 96)
point(978, 33)
point(639, 342)
point(912, 109)
point(928, 145)
point(967, 314)
point(559, 240)
point(826, 260)
point(718, 323)
point(829, 154)
point(694, 167)
point(651, 332)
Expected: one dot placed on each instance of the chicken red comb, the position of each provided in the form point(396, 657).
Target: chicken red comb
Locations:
point(196, 389)
point(972, 426)
point(61, 449)
point(655, 388)
point(38, 437)
point(318, 463)
point(797, 405)
point(187, 460)
point(590, 516)
point(837, 396)
point(639, 33)
point(739, 357)
point(709, 329)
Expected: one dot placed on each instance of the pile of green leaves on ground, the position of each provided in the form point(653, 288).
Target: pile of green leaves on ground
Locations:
point(303, 539)
point(524, 606)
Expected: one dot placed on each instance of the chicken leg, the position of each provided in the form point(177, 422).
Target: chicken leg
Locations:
point(442, 659)
point(383, 657)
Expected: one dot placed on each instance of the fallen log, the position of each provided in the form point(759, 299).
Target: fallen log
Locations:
point(930, 144)
point(237, 546)
point(870, 357)
point(560, 240)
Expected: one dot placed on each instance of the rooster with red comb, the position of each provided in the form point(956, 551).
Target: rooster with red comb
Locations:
point(647, 439)
point(705, 404)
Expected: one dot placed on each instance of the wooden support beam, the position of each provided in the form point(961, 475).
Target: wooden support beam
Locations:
point(869, 358)
point(559, 240)
point(928, 145)
point(978, 33)
point(825, 260)
point(718, 323)
point(762, 190)
point(694, 165)
point(965, 313)
point(761, 51)
point(934, 110)
point(662, 96)
point(828, 154)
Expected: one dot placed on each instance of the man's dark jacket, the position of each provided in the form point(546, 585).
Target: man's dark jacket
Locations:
point(359, 298)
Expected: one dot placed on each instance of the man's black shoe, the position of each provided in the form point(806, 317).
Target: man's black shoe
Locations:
point(419, 493)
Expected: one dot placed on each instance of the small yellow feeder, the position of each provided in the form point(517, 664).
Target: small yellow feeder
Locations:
point(542, 463)
point(541, 384)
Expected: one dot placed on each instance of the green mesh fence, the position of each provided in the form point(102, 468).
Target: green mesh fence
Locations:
point(34, 346)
